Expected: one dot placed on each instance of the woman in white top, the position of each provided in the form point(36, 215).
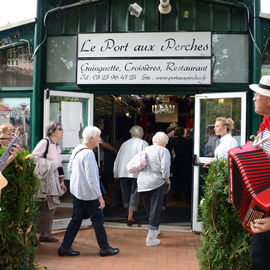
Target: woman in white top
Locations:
point(128, 181)
point(223, 128)
point(153, 183)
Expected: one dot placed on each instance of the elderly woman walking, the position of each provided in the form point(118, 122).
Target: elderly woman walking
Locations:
point(153, 183)
point(49, 169)
point(128, 181)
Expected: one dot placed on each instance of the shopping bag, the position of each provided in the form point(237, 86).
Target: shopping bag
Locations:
point(137, 163)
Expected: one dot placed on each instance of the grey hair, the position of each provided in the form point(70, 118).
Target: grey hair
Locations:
point(51, 128)
point(160, 138)
point(90, 131)
point(136, 131)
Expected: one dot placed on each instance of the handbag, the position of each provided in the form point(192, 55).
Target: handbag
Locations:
point(137, 163)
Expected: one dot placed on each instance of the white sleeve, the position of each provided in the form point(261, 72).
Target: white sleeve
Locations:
point(91, 173)
point(165, 164)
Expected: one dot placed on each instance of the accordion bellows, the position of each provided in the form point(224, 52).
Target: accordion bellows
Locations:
point(249, 173)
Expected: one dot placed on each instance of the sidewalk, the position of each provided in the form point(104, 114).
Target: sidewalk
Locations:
point(176, 251)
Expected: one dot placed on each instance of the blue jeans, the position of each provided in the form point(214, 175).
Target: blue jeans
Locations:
point(81, 210)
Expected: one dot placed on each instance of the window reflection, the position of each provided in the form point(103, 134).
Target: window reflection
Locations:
point(61, 59)
point(13, 71)
point(230, 62)
point(17, 112)
point(212, 109)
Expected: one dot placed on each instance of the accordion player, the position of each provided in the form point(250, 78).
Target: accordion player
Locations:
point(249, 182)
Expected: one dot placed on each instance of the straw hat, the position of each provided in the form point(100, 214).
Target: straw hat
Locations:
point(263, 88)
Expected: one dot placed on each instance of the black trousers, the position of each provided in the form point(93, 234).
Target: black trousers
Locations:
point(153, 201)
point(260, 251)
point(81, 210)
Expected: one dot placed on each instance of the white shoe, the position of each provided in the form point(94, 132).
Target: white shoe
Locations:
point(152, 241)
point(157, 233)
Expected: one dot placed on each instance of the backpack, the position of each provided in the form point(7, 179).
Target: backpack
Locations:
point(137, 163)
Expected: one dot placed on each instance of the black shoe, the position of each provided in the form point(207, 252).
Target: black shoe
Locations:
point(109, 251)
point(67, 252)
point(47, 239)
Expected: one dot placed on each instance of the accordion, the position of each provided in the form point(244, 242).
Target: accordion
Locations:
point(249, 181)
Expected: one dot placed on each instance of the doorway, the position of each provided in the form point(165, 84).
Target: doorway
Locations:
point(208, 107)
point(154, 113)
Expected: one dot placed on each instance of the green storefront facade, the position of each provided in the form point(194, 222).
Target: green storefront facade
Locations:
point(238, 55)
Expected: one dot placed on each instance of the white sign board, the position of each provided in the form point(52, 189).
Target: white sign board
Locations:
point(265, 9)
point(144, 71)
point(71, 112)
point(146, 44)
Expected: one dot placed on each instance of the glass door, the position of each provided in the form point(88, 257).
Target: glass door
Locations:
point(75, 112)
point(207, 108)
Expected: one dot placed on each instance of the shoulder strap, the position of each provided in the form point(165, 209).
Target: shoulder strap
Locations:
point(80, 151)
point(47, 148)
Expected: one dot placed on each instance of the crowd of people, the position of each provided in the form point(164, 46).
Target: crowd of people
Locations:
point(169, 164)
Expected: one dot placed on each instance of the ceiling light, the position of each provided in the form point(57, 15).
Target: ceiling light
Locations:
point(165, 108)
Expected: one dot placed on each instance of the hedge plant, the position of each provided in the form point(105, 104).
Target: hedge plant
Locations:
point(224, 242)
point(19, 209)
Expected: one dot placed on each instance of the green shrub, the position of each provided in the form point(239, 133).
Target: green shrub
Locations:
point(19, 209)
point(225, 243)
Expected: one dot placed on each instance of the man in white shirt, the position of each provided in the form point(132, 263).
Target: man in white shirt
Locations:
point(87, 198)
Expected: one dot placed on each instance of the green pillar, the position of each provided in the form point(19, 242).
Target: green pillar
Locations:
point(36, 109)
point(256, 62)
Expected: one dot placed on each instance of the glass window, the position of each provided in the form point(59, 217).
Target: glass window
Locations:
point(61, 59)
point(13, 71)
point(231, 58)
point(58, 106)
point(17, 112)
point(210, 110)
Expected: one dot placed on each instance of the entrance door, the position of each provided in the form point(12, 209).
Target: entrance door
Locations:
point(75, 112)
point(207, 108)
